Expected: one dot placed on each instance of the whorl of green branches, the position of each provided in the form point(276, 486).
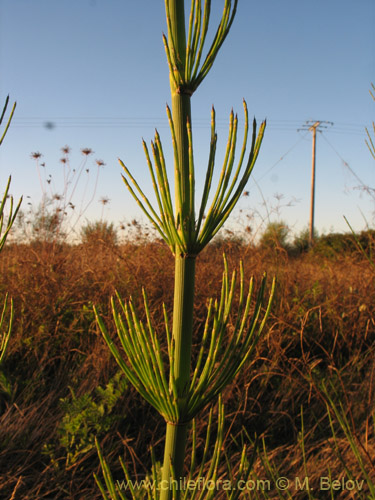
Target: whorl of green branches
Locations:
point(196, 472)
point(191, 240)
point(177, 224)
point(219, 358)
point(188, 73)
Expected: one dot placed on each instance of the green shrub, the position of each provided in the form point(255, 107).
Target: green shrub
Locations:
point(86, 417)
point(340, 243)
point(275, 236)
point(301, 242)
point(99, 232)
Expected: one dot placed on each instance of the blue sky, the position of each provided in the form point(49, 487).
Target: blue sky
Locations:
point(96, 70)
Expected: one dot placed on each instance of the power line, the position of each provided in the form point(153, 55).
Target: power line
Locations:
point(282, 157)
point(346, 164)
point(51, 122)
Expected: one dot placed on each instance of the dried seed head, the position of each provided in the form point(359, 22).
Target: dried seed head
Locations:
point(104, 200)
point(87, 151)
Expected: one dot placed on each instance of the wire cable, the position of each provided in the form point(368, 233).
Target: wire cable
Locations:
point(282, 157)
point(364, 186)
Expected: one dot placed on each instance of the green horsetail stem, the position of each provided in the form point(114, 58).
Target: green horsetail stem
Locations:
point(184, 285)
point(186, 391)
point(153, 488)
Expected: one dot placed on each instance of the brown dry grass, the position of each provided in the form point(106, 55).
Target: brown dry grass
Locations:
point(321, 329)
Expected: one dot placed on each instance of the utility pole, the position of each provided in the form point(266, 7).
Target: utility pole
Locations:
point(312, 204)
point(313, 126)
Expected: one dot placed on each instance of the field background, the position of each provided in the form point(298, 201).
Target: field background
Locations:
point(61, 387)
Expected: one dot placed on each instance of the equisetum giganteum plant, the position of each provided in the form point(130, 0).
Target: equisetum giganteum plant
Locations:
point(177, 390)
point(5, 331)
point(370, 140)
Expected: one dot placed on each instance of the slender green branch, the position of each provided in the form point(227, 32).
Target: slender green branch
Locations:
point(9, 119)
point(11, 215)
point(4, 337)
point(198, 51)
point(226, 198)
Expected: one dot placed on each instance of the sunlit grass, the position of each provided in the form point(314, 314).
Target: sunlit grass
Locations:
point(322, 328)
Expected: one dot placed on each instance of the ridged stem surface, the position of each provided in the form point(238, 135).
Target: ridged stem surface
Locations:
point(175, 442)
point(174, 451)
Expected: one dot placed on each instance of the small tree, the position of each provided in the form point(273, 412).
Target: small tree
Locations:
point(301, 242)
point(275, 236)
point(99, 232)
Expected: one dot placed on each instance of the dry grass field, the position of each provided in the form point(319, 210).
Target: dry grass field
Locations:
point(61, 387)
